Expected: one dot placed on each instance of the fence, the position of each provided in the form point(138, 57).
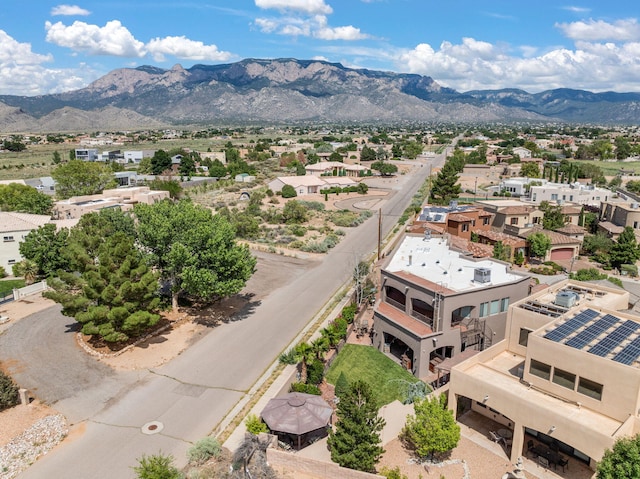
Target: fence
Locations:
point(290, 463)
point(29, 290)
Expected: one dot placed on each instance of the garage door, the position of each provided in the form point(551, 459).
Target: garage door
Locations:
point(562, 253)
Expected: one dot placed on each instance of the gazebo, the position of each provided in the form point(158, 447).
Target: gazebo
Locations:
point(297, 414)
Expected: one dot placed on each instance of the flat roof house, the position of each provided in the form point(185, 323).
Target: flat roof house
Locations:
point(435, 302)
point(566, 375)
point(14, 228)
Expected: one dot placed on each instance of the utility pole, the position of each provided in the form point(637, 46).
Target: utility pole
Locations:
point(379, 231)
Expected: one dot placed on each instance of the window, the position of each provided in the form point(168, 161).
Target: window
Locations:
point(7, 238)
point(570, 197)
point(485, 221)
point(484, 310)
point(635, 225)
point(540, 369)
point(554, 197)
point(504, 304)
point(514, 221)
point(564, 378)
point(473, 222)
point(590, 388)
point(11, 261)
point(523, 340)
point(465, 227)
point(495, 307)
point(564, 197)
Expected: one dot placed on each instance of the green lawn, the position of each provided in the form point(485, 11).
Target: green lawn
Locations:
point(7, 285)
point(364, 362)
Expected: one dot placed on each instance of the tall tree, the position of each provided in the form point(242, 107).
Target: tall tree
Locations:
point(367, 154)
point(445, 186)
point(530, 169)
point(160, 162)
point(553, 217)
point(194, 250)
point(45, 247)
point(539, 244)
point(625, 250)
point(432, 429)
point(621, 462)
point(356, 441)
point(24, 199)
point(78, 178)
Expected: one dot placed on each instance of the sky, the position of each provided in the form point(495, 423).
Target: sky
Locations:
point(49, 47)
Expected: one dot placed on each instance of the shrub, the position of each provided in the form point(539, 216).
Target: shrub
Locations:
point(9, 396)
point(297, 244)
point(255, 425)
point(289, 191)
point(289, 357)
point(342, 385)
point(3, 272)
point(305, 388)
point(156, 466)
point(394, 473)
point(312, 205)
point(203, 450)
point(315, 247)
point(341, 326)
point(298, 230)
point(315, 372)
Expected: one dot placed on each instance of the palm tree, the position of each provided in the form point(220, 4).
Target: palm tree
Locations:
point(320, 346)
point(305, 354)
point(27, 269)
point(332, 334)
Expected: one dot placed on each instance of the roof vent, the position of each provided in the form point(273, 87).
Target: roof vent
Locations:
point(482, 275)
point(634, 206)
point(566, 298)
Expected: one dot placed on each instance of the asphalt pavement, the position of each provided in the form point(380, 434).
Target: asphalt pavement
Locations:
point(188, 397)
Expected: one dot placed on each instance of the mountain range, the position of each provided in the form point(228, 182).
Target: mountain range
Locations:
point(291, 91)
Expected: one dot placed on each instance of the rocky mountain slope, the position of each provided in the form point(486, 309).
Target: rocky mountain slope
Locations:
point(290, 90)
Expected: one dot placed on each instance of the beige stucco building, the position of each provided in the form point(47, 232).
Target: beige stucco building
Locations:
point(123, 198)
point(436, 302)
point(566, 374)
point(14, 228)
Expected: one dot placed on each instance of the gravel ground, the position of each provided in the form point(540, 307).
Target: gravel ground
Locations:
point(36, 441)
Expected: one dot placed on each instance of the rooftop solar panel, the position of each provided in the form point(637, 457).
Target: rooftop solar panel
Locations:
point(571, 325)
point(617, 336)
point(629, 353)
point(592, 331)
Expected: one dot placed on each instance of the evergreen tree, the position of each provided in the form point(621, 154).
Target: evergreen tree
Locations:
point(625, 250)
point(432, 429)
point(356, 441)
point(342, 385)
point(160, 161)
point(445, 187)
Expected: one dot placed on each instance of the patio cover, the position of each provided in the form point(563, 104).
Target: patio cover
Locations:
point(297, 413)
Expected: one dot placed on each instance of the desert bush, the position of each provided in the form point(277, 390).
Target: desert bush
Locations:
point(157, 466)
point(203, 450)
point(349, 312)
point(8, 392)
point(312, 205)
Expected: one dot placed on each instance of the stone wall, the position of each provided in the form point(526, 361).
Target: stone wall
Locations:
point(290, 463)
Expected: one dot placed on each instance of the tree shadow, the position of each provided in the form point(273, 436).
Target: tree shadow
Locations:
point(234, 308)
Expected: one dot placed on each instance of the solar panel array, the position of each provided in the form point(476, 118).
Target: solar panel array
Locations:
point(624, 331)
point(591, 332)
point(572, 325)
point(614, 339)
point(629, 353)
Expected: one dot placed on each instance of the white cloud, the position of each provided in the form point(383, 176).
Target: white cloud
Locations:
point(182, 47)
point(480, 65)
point(316, 26)
point(23, 72)
point(69, 10)
point(112, 39)
point(575, 9)
point(595, 30)
point(310, 7)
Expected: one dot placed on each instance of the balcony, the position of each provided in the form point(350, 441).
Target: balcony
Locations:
point(395, 304)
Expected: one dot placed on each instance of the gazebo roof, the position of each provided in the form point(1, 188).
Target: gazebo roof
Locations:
point(297, 413)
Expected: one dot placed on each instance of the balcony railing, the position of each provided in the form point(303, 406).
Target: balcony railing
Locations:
point(395, 304)
point(422, 317)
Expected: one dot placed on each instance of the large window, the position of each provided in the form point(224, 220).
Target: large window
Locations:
point(523, 340)
point(495, 306)
point(564, 378)
point(504, 304)
point(540, 369)
point(484, 310)
point(7, 238)
point(590, 388)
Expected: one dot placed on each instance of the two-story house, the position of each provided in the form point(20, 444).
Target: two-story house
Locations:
point(435, 302)
point(566, 376)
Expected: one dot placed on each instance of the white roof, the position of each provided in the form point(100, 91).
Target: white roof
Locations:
point(328, 165)
point(431, 259)
point(11, 221)
point(307, 180)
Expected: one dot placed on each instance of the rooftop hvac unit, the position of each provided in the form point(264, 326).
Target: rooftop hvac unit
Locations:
point(482, 275)
point(634, 206)
point(566, 299)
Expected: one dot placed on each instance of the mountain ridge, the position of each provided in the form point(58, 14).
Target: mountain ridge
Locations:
point(292, 90)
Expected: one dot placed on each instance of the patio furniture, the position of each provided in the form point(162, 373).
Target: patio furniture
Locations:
point(547, 454)
point(495, 437)
point(530, 445)
point(543, 461)
point(562, 462)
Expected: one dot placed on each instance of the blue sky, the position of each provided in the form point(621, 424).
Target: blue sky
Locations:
point(48, 47)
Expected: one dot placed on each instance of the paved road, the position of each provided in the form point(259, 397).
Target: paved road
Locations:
point(193, 393)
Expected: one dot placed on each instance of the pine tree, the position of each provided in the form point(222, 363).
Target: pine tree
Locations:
point(625, 250)
point(445, 187)
point(356, 441)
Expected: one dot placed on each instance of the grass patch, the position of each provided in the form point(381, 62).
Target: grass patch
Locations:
point(7, 286)
point(364, 362)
